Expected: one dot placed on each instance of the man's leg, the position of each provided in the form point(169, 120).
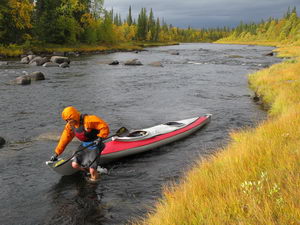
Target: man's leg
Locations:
point(75, 165)
point(94, 174)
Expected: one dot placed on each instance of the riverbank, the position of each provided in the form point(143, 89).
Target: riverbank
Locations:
point(255, 178)
point(14, 51)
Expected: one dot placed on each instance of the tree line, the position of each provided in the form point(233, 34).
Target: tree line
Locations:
point(285, 29)
point(86, 21)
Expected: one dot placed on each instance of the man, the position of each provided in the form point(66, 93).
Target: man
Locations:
point(87, 128)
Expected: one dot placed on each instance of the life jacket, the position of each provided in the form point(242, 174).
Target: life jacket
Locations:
point(82, 134)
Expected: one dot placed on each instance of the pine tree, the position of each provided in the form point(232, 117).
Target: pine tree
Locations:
point(106, 29)
point(151, 25)
point(142, 26)
point(129, 18)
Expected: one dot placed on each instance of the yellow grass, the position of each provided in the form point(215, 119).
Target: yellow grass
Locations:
point(256, 178)
point(10, 51)
point(239, 42)
point(15, 51)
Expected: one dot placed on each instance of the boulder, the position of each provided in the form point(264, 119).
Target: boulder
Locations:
point(2, 63)
point(74, 54)
point(50, 64)
point(158, 64)
point(59, 53)
point(134, 62)
point(2, 141)
point(270, 54)
point(25, 60)
point(115, 62)
point(59, 59)
point(23, 80)
point(37, 76)
point(31, 57)
point(38, 61)
point(64, 65)
point(256, 97)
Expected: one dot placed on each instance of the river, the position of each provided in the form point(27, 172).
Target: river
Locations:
point(203, 78)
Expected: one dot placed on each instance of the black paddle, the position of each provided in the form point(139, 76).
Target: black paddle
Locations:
point(119, 132)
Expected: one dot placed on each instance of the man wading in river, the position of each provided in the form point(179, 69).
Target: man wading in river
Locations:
point(88, 129)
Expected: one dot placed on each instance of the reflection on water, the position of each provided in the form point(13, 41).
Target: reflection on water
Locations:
point(203, 78)
point(75, 201)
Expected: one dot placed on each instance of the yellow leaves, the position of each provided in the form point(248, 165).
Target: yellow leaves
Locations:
point(69, 6)
point(21, 12)
point(87, 19)
point(125, 33)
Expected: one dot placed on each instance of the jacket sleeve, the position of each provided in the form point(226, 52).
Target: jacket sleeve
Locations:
point(94, 122)
point(66, 137)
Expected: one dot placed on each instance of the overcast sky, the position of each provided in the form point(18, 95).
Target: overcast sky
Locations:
point(205, 13)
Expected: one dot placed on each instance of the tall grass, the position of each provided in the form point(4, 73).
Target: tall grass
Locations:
point(253, 180)
point(18, 50)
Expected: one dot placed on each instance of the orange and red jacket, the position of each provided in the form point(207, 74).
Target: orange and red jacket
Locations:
point(89, 122)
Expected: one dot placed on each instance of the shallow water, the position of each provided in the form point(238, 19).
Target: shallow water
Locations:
point(203, 78)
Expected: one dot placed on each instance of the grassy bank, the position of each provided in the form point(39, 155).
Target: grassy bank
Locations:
point(255, 179)
point(16, 51)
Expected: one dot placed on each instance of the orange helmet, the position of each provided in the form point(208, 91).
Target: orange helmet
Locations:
point(70, 113)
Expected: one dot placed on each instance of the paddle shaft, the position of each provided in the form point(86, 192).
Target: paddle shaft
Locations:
point(119, 132)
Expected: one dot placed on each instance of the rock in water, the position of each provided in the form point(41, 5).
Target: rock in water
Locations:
point(134, 62)
point(37, 76)
point(115, 62)
point(23, 80)
point(2, 141)
point(60, 59)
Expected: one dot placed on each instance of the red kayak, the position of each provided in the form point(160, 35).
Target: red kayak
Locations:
point(139, 141)
point(146, 139)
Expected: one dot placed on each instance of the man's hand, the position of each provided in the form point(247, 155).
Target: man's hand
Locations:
point(54, 158)
point(98, 142)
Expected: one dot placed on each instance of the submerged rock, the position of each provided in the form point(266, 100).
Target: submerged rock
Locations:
point(50, 64)
point(175, 53)
point(64, 65)
point(157, 64)
point(235, 56)
point(133, 62)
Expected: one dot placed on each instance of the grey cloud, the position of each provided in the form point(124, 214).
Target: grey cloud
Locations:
point(206, 13)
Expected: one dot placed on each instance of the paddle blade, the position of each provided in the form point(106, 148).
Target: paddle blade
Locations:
point(59, 162)
point(121, 131)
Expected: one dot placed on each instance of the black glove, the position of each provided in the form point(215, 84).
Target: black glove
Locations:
point(54, 158)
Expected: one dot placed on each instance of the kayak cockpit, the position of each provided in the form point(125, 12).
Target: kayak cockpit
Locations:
point(135, 135)
point(174, 124)
point(138, 133)
point(143, 134)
